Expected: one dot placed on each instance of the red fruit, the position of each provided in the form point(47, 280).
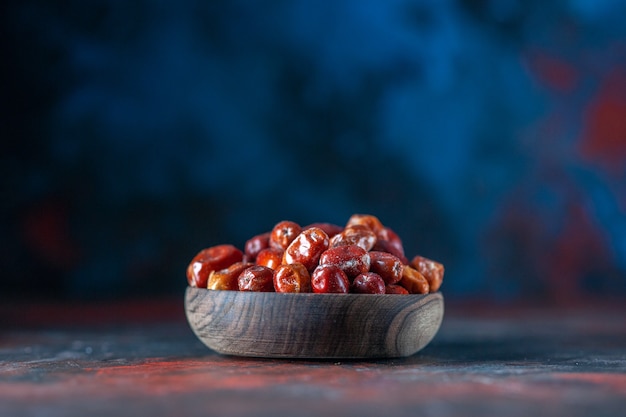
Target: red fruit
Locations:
point(209, 260)
point(368, 283)
point(306, 248)
point(351, 259)
point(329, 279)
point(388, 266)
point(283, 234)
point(292, 278)
point(256, 278)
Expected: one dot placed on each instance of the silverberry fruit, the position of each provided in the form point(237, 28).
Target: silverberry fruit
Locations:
point(283, 234)
point(256, 278)
point(209, 260)
point(306, 248)
point(368, 283)
point(226, 279)
point(292, 278)
point(329, 279)
point(351, 259)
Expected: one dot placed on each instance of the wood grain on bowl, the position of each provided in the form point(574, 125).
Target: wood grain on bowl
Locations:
point(313, 325)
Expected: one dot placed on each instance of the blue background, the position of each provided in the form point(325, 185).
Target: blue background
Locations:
point(491, 135)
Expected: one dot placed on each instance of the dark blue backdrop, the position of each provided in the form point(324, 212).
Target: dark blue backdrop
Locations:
point(490, 134)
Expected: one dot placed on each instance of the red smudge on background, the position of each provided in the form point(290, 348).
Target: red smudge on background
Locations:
point(604, 136)
point(121, 312)
point(558, 242)
point(46, 232)
point(558, 239)
point(554, 72)
point(614, 382)
point(576, 251)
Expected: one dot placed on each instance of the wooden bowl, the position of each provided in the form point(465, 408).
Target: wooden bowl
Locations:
point(279, 325)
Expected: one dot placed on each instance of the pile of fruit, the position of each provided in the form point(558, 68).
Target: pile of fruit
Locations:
point(362, 257)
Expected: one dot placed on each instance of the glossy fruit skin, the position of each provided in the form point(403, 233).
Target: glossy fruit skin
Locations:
point(395, 289)
point(257, 278)
point(209, 260)
point(388, 241)
point(368, 283)
point(270, 257)
point(413, 281)
point(292, 278)
point(351, 259)
point(306, 248)
point(319, 257)
point(359, 235)
point(432, 271)
point(227, 278)
point(388, 266)
point(368, 220)
point(329, 279)
point(283, 234)
point(331, 229)
point(256, 244)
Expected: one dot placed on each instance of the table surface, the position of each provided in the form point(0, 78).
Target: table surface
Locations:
point(141, 358)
